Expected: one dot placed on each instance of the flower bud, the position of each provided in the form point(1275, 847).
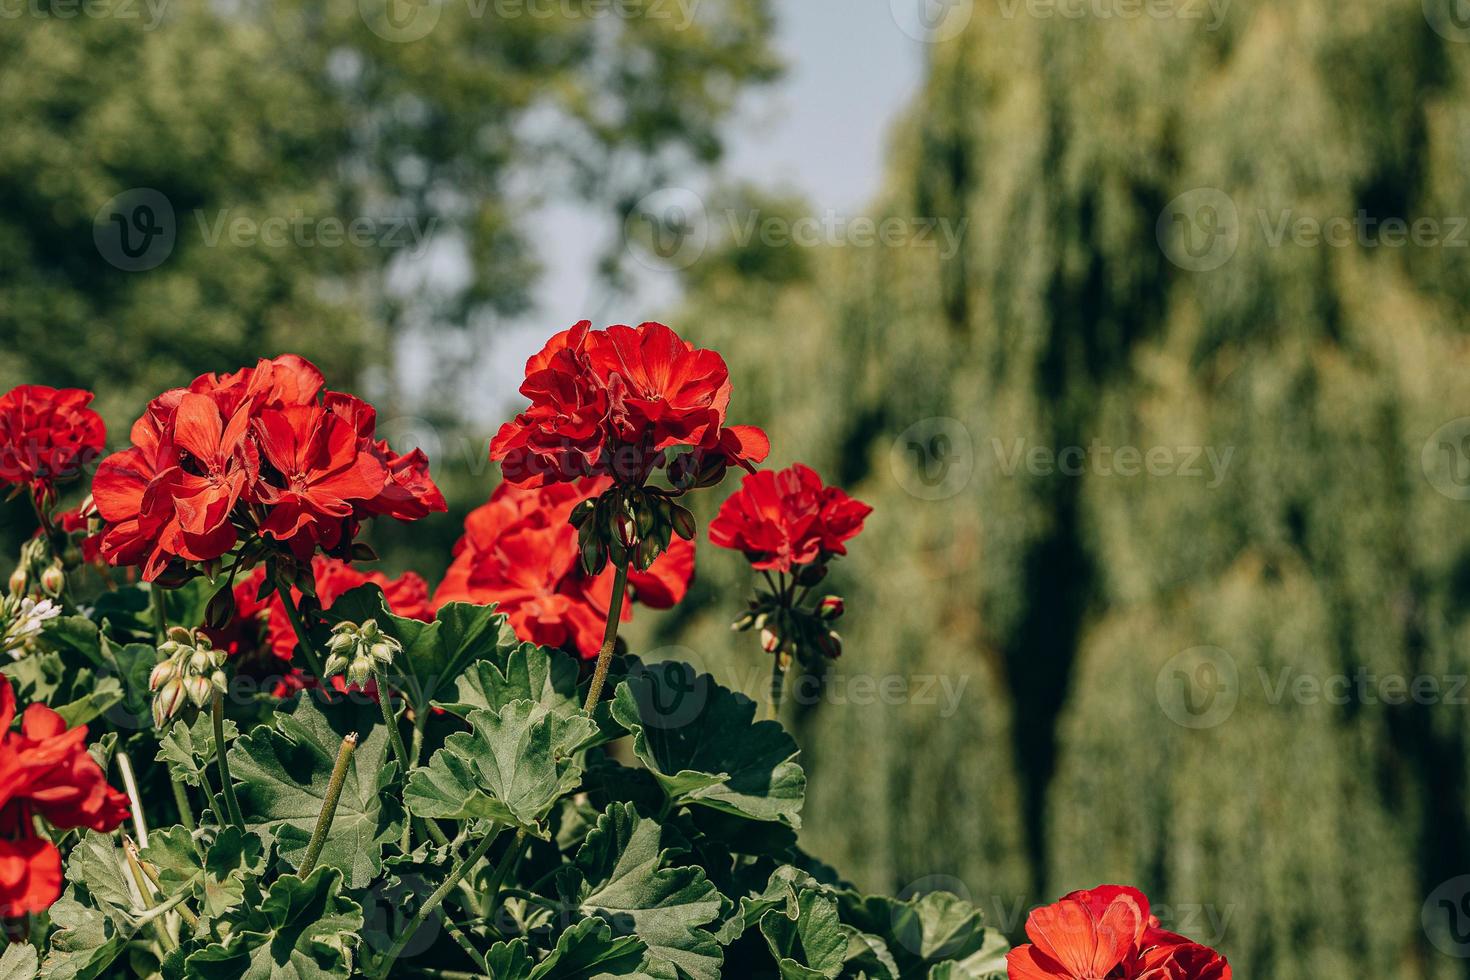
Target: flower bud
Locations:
point(770, 642)
point(200, 662)
point(831, 607)
point(335, 664)
point(832, 644)
point(745, 622)
point(166, 671)
point(683, 521)
point(18, 582)
point(168, 701)
point(200, 689)
point(53, 579)
point(582, 511)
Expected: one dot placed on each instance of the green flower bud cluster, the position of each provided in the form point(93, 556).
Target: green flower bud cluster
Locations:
point(189, 671)
point(37, 573)
point(629, 524)
point(358, 651)
point(793, 631)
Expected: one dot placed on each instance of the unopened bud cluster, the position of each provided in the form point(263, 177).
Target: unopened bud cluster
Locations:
point(358, 651)
point(37, 573)
point(629, 525)
point(189, 671)
point(795, 631)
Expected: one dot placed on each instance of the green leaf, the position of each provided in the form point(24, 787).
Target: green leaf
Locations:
point(590, 950)
point(217, 881)
point(19, 962)
point(807, 937)
point(189, 749)
point(935, 927)
point(105, 693)
point(511, 767)
point(86, 940)
point(302, 930)
point(623, 873)
point(96, 864)
point(528, 673)
point(701, 741)
point(986, 963)
point(783, 886)
point(283, 773)
point(434, 654)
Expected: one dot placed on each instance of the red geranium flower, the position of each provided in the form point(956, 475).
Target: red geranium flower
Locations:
point(46, 435)
point(607, 402)
point(45, 771)
point(1107, 933)
point(785, 518)
point(264, 450)
point(519, 551)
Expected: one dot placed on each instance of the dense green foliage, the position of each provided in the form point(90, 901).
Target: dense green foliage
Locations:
point(1311, 831)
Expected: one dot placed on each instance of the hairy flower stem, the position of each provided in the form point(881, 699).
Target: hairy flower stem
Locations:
point(145, 893)
point(329, 805)
point(434, 901)
point(609, 639)
point(134, 858)
point(186, 812)
point(385, 701)
point(507, 861)
point(130, 786)
point(217, 715)
point(302, 639)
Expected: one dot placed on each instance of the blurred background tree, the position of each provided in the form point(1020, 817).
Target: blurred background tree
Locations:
point(1300, 835)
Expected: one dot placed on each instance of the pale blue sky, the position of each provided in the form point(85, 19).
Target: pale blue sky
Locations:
point(822, 131)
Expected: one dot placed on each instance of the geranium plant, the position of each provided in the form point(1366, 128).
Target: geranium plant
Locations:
point(300, 768)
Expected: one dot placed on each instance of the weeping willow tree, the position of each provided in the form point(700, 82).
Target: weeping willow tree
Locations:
point(1165, 467)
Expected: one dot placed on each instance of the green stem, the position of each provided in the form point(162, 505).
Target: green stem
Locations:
point(160, 620)
point(160, 928)
point(186, 812)
point(395, 737)
point(609, 639)
point(217, 714)
point(458, 935)
point(329, 805)
point(434, 900)
point(302, 639)
point(134, 858)
point(507, 861)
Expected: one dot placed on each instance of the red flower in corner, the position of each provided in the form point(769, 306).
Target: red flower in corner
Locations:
point(1108, 933)
point(46, 435)
point(519, 551)
point(781, 519)
point(45, 771)
point(607, 402)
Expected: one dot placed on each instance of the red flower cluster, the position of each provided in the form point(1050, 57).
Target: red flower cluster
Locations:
point(263, 450)
point(47, 434)
point(44, 770)
point(1107, 933)
point(519, 550)
point(608, 402)
point(785, 518)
